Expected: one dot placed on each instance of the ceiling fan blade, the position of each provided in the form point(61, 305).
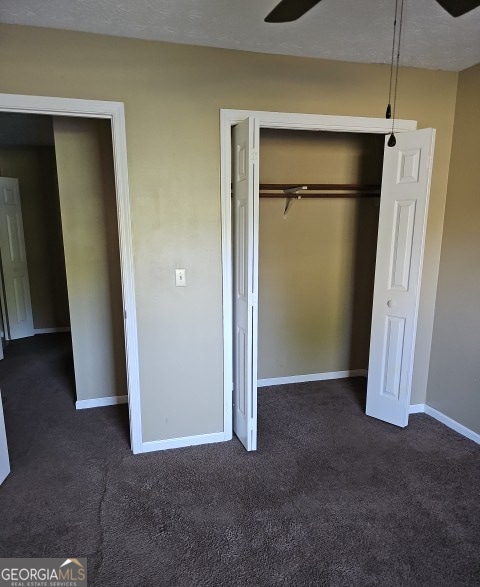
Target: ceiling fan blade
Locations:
point(290, 10)
point(459, 7)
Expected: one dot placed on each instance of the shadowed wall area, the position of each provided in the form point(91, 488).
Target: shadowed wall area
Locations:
point(454, 380)
point(35, 168)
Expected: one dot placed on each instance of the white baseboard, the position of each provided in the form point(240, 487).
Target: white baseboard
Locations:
point(184, 441)
point(453, 424)
point(416, 409)
point(101, 402)
point(442, 418)
point(312, 377)
point(51, 330)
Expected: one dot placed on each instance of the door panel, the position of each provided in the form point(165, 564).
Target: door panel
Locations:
point(401, 235)
point(18, 306)
point(395, 331)
point(403, 221)
point(245, 280)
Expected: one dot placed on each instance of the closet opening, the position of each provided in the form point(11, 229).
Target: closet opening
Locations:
point(316, 263)
point(361, 276)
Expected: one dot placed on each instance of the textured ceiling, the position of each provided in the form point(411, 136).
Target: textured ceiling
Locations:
point(345, 30)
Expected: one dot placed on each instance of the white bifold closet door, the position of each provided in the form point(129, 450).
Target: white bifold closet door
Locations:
point(407, 170)
point(245, 209)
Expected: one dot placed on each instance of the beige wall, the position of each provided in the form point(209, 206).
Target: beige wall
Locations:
point(87, 201)
point(172, 95)
point(36, 171)
point(317, 265)
point(454, 381)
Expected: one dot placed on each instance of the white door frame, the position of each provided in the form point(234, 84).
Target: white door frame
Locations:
point(114, 112)
point(284, 121)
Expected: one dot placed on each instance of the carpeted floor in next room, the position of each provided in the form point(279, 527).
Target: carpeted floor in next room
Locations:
point(331, 497)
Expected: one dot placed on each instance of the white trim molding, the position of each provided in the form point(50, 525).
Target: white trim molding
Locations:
point(51, 330)
point(184, 441)
point(416, 408)
point(100, 402)
point(315, 122)
point(446, 420)
point(115, 113)
point(312, 377)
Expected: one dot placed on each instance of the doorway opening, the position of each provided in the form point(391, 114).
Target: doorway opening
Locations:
point(59, 240)
point(95, 132)
point(402, 220)
point(60, 272)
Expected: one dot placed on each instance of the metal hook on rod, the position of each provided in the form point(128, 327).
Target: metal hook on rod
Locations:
point(292, 194)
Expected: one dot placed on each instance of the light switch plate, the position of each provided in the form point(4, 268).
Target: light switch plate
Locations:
point(180, 277)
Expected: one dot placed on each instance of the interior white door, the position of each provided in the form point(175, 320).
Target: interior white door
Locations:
point(4, 460)
point(19, 319)
point(245, 207)
point(407, 169)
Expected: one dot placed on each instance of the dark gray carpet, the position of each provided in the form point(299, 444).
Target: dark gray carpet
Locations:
point(331, 497)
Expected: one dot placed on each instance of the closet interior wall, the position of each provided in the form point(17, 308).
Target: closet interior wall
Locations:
point(317, 264)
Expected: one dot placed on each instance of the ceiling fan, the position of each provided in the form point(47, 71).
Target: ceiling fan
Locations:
point(290, 10)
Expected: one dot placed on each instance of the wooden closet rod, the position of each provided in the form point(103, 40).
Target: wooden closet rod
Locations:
point(303, 187)
point(303, 194)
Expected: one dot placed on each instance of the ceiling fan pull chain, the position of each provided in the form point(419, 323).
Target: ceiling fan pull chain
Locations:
point(388, 113)
point(392, 141)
